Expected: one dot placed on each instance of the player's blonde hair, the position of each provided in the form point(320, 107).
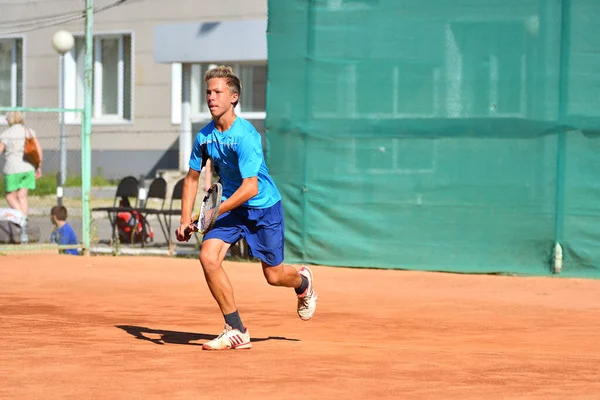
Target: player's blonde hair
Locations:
point(233, 82)
point(14, 117)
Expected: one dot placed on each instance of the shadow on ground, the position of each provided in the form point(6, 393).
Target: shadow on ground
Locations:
point(159, 336)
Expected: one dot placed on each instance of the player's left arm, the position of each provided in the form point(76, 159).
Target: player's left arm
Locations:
point(207, 175)
point(245, 192)
point(250, 156)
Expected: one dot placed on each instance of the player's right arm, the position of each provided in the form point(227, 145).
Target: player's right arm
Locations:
point(198, 159)
point(188, 198)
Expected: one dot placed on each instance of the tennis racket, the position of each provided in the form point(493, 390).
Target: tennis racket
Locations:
point(204, 220)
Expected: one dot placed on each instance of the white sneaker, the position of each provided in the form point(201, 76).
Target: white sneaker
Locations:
point(230, 339)
point(307, 301)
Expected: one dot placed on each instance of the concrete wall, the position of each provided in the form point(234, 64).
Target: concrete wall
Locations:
point(146, 142)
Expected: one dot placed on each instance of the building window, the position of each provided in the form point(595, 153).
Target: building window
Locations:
point(349, 4)
point(111, 78)
point(487, 64)
point(11, 72)
point(392, 156)
point(252, 102)
point(411, 90)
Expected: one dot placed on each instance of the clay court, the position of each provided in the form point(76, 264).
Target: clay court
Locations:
point(131, 327)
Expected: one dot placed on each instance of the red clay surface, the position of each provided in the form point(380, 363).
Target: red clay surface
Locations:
point(130, 328)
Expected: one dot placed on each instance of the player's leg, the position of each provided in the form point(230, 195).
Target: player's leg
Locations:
point(211, 258)
point(214, 249)
point(281, 275)
point(302, 282)
point(265, 241)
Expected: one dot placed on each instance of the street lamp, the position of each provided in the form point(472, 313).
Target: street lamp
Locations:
point(63, 42)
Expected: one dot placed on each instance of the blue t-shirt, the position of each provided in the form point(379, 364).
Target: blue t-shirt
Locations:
point(65, 235)
point(236, 154)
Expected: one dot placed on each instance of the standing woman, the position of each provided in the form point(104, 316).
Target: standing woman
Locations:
point(19, 174)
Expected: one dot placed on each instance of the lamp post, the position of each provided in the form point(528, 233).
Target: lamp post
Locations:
point(63, 42)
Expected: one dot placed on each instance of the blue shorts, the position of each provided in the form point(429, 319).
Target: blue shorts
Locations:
point(261, 227)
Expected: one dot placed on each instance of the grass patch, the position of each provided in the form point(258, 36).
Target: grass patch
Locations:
point(47, 184)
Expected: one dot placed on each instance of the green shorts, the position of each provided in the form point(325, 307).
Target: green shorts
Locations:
point(25, 180)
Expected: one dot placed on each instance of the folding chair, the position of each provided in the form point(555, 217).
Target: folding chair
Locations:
point(176, 195)
point(128, 188)
point(157, 193)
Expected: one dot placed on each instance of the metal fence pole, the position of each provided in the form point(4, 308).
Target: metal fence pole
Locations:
point(86, 130)
point(561, 144)
point(185, 134)
point(63, 139)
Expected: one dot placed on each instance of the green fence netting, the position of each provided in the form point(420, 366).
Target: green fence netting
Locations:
point(437, 135)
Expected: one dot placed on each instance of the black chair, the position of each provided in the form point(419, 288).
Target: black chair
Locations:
point(155, 205)
point(127, 189)
point(176, 195)
point(157, 191)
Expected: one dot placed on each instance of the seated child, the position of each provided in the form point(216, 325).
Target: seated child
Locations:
point(63, 233)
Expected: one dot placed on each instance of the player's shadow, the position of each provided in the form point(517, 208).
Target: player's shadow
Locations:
point(159, 336)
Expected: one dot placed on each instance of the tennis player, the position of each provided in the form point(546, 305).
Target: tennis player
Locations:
point(251, 208)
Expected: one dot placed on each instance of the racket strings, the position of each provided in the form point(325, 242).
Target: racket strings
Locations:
point(210, 209)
